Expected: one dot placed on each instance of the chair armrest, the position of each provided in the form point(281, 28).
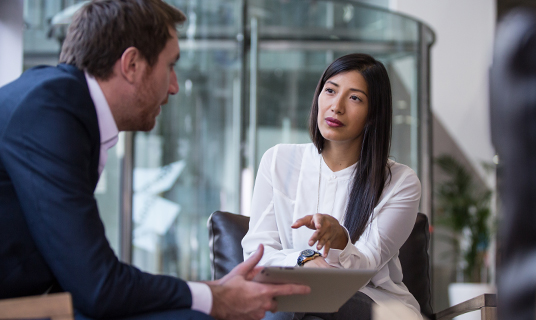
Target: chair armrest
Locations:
point(476, 303)
point(56, 306)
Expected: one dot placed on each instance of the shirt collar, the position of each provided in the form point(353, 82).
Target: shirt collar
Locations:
point(345, 173)
point(107, 126)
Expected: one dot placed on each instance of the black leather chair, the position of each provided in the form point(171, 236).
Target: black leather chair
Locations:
point(226, 231)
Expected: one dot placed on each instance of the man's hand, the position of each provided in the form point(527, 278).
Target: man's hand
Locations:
point(235, 296)
point(329, 233)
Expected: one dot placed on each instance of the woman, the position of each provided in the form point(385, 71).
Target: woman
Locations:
point(341, 193)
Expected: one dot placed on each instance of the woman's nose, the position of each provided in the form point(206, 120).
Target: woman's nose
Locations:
point(337, 106)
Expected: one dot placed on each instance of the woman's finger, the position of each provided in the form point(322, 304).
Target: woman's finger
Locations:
point(321, 241)
point(305, 221)
point(314, 238)
point(319, 234)
point(318, 219)
point(326, 238)
point(326, 249)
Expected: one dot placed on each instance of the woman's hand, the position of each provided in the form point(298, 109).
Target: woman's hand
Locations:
point(318, 262)
point(329, 233)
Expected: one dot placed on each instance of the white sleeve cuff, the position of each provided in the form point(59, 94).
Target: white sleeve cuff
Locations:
point(201, 296)
point(336, 257)
point(333, 258)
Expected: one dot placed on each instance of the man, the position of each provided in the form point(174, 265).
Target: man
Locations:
point(56, 124)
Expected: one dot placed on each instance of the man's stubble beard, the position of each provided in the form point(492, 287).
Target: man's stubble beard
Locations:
point(145, 120)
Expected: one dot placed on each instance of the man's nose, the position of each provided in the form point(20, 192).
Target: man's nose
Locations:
point(173, 84)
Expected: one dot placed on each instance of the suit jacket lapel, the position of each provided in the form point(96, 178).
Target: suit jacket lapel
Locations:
point(93, 125)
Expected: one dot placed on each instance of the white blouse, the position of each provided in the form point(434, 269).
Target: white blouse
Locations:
point(287, 188)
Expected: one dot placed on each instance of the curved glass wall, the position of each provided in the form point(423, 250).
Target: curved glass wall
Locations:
point(247, 74)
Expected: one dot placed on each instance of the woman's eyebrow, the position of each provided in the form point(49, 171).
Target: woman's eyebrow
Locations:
point(333, 83)
point(358, 90)
point(351, 89)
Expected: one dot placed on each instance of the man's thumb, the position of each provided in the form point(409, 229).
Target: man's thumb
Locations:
point(247, 266)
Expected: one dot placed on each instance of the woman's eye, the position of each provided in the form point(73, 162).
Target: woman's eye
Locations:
point(329, 90)
point(355, 98)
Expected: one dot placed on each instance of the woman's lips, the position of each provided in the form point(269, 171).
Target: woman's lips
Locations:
point(332, 122)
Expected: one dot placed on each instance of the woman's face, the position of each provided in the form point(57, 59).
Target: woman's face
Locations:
point(343, 108)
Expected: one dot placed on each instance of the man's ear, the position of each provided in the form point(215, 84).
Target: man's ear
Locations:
point(131, 64)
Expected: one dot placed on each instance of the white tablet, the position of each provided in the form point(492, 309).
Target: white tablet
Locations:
point(330, 288)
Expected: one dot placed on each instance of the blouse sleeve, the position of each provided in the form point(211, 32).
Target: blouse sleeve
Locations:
point(263, 226)
point(388, 230)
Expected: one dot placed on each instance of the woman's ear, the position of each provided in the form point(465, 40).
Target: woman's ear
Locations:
point(132, 64)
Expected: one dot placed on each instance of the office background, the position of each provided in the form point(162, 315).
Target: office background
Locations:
point(247, 73)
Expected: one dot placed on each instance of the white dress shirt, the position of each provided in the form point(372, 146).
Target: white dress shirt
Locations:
point(287, 188)
point(107, 127)
point(201, 293)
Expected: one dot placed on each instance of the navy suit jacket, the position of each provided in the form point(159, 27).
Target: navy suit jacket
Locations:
point(50, 229)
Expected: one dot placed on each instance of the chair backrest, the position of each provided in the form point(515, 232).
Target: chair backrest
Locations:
point(416, 264)
point(226, 231)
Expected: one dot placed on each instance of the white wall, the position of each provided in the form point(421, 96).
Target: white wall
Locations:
point(460, 60)
point(11, 41)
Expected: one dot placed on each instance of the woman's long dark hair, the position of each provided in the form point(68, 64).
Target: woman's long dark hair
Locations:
point(372, 170)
